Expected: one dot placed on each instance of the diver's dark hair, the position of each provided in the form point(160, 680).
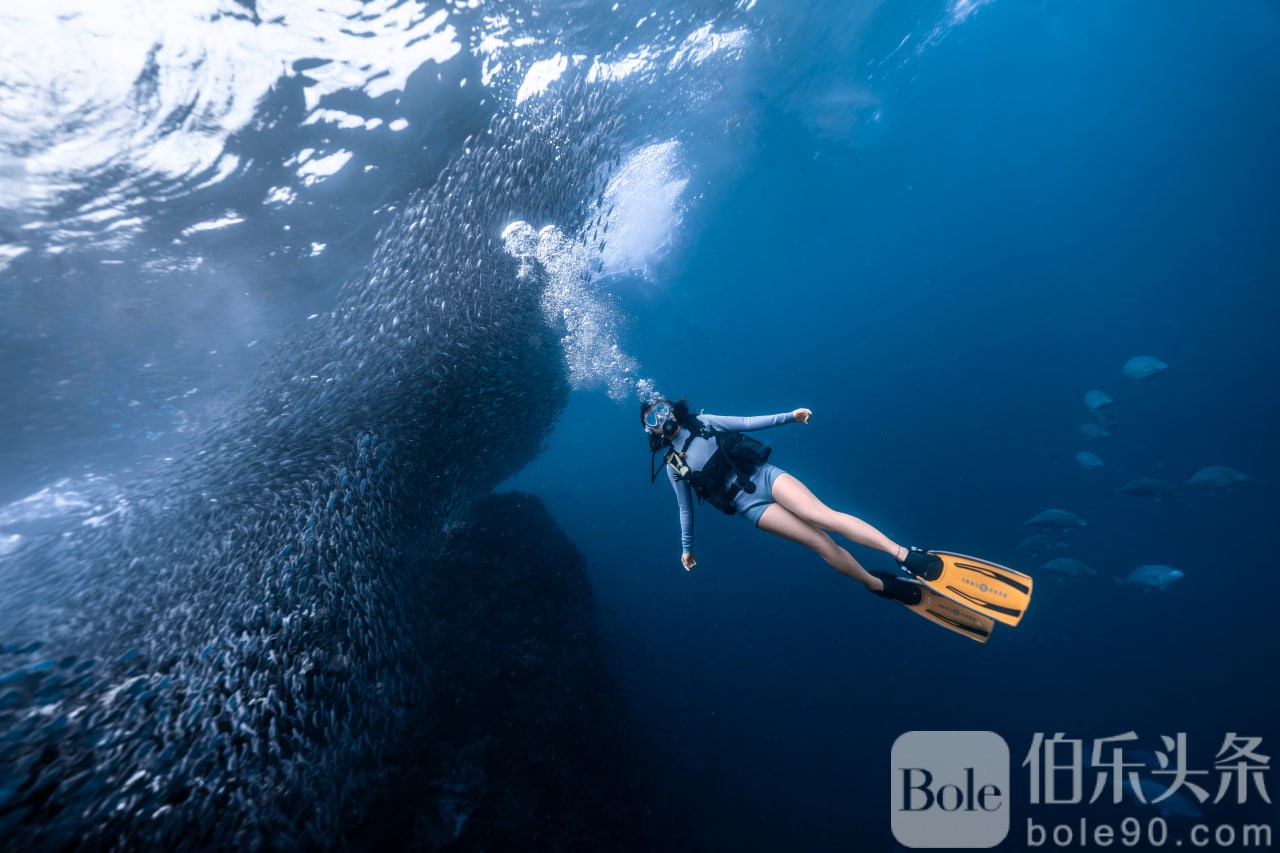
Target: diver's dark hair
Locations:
point(679, 410)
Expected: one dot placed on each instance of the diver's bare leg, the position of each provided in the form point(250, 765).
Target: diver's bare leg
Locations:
point(782, 522)
point(793, 495)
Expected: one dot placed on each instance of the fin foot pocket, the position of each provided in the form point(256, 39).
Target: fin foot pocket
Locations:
point(923, 601)
point(922, 564)
point(898, 589)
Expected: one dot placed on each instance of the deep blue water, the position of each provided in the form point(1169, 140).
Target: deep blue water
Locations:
point(939, 247)
point(1053, 190)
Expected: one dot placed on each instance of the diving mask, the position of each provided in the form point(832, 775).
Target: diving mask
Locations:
point(659, 417)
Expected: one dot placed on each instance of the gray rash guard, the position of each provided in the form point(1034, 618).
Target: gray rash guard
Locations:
point(700, 450)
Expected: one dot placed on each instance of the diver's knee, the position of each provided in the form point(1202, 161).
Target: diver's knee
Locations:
point(823, 518)
point(830, 551)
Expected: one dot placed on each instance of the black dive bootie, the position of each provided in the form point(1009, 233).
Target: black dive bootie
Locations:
point(898, 588)
point(922, 564)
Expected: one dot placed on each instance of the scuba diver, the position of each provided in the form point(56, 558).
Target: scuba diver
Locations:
point(710, 457)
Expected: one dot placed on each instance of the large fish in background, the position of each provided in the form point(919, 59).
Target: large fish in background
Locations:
point(224, 658)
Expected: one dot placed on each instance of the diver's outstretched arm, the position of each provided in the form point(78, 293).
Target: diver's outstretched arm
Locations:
point(731, 423)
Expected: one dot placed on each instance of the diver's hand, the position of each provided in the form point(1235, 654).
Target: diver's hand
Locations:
point(802, 415)
point(687, 561)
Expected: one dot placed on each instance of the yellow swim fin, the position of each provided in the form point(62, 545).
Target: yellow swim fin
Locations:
point(938, 609)
point(989, 588)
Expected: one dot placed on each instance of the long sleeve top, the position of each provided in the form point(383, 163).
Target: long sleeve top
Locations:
point(700, 450)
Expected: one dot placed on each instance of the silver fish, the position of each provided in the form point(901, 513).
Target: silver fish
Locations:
point(1143, 367)
point(1068, 568)
point(1042, 543)
point(1146, 487)
point(1217, 477)
point(1057, 519)
point(1094, 431)
point(1154, 576)
point(1094, 400)
point(1088, 461)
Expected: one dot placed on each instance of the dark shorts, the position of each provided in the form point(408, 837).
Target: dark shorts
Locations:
point(752, 505)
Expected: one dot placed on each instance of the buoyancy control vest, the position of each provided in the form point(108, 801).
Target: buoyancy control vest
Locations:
point(726, 473)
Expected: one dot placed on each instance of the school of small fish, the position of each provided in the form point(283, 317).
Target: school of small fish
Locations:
point(221, 663)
